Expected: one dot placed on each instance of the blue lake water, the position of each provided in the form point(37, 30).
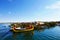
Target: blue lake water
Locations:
point(52, 33)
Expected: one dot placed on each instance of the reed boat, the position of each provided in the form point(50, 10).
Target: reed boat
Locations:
point(23, 30)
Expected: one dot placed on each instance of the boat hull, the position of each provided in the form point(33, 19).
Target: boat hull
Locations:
point(23, 30)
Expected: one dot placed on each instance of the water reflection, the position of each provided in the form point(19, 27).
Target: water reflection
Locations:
point(23, 36)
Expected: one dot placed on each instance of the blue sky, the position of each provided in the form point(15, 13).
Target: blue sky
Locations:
point(29, 10)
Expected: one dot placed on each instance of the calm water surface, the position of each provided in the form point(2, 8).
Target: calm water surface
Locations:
point(52, 33)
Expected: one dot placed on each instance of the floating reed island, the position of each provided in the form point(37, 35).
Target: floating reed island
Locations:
point(36, 25)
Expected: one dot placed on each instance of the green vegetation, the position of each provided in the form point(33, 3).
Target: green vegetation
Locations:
point(49, 24)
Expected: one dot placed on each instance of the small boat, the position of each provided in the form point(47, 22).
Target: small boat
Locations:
point(23, 29)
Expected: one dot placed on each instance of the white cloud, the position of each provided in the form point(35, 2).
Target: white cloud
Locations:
point(54, 6)
point(54, 11)
point(52, 15)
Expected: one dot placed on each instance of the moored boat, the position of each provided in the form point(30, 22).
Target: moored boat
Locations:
point(23, 29)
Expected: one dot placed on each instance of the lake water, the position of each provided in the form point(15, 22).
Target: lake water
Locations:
point(52, 33)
